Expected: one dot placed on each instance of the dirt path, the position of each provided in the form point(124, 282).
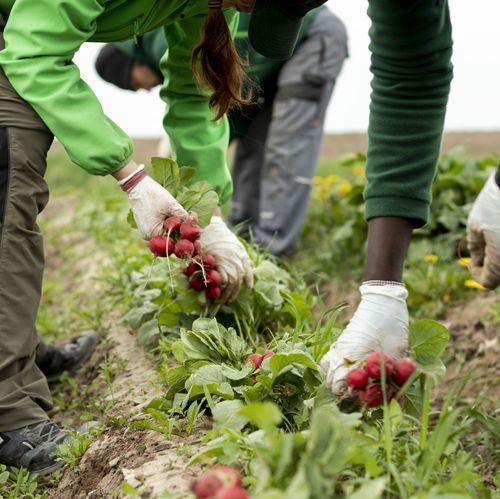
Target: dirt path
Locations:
point(473, 353)
point(147, 460)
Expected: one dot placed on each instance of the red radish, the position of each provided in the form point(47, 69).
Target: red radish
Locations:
point(256, 359)
point(213, 279)
point(208, 262)
point(232, 493)
point(206, 486)
point(158, 245)
point(172, 223)
point(213, 293)
point(183, 248)
point(268, 354)
point(229, 476)
point(357, 378)
point(372, 396)
point(190, 231)
point(254, 379)
point(191, 269)
point(197, 284)
point(197, 247)
point(374, 362)
point(403, 369)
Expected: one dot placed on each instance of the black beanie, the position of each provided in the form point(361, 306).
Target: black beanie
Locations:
point(114, 66)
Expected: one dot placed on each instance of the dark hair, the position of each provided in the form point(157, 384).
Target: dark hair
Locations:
point(221, 66)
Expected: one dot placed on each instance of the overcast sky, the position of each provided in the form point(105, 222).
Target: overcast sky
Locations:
point(474, 102)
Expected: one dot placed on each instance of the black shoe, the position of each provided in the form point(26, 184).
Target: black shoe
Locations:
point(58, 359)
point(33, 447)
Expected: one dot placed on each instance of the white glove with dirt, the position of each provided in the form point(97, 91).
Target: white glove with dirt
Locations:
point(483, 235)
point(233, 262)
point(151, 203)
point(379, 324)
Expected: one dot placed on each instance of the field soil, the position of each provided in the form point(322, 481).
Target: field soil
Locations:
point(144, 459)
point(476, 144)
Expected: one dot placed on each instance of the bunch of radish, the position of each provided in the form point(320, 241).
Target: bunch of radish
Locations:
point(366, 381)
point(182, 240)
point(220, 483)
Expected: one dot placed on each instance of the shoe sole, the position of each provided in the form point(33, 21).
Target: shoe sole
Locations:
point(44, 472)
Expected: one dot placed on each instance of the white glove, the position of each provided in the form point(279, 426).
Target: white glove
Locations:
point(483, 235)
point(379, 324)
point(151, 203)
point(233, 263)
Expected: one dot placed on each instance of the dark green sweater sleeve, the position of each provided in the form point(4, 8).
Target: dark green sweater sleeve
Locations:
point(411, 47)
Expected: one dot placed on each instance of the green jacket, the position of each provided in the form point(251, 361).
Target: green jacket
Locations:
point(41, 38)
point(262, 70)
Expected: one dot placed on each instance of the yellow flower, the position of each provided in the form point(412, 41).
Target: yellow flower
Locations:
point(446, 298)
point(331, 179)
point(318, 180)
point(471, 283)
point(345, 188)
point(431, 258)
point(464, 262)
point(359, 170)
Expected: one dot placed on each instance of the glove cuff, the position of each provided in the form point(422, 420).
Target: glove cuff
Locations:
point(391, 289)
point(129, 182)
point(378, 282)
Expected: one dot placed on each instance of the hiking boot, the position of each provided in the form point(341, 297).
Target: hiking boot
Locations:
point(33, 447)
point(54, 360)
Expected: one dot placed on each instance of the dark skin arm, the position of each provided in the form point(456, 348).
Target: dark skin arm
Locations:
point(388, 241)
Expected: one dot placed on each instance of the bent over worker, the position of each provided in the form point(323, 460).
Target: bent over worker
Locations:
point(42, 95)
point(411, 48)
point(278, 135)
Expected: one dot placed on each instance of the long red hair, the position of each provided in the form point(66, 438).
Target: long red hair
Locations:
point(221, 67)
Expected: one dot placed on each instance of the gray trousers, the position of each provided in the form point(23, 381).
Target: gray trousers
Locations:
point(276, 159)
point(24, 142)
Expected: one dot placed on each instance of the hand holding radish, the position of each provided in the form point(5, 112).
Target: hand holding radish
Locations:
point(380, 323)
point(151, 203)
point(483, 235)
point(233, 262)
point(366, 380)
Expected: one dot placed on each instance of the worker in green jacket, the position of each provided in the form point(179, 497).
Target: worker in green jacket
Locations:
point(278, 135)
point(42, 95)
point(411, 48)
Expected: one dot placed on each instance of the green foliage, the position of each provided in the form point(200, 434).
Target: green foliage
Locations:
point(161, 303)
point(334, 233)
point(16, 483)
point(198, 198)
point(279, 424)
point(72, 450)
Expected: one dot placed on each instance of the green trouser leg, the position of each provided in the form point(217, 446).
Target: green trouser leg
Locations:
point(24, 142)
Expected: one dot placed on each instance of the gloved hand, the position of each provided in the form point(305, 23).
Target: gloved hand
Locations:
point(483, 235)
point(151, 203)
point(379, 324)
point(233, 263)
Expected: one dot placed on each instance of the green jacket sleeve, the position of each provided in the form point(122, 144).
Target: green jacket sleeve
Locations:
point(37, 60)
point(196, 141)
point(411, 47)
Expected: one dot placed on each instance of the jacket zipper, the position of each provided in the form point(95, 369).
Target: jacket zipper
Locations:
point(137, 32)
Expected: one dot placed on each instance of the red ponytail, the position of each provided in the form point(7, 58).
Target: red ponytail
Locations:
point(221, 66)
